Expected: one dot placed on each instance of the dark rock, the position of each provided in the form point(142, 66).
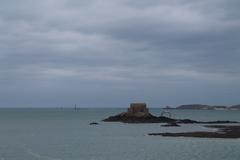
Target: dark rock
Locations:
point(138, 118)
point(223, 132)
point(93, 123)
point(186, 121)
point(218, 122)
point(149, 118)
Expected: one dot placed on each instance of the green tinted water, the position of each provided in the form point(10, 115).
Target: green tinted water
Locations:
point(65, 134)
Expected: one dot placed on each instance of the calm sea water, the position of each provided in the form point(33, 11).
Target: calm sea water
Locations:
point(65, 134)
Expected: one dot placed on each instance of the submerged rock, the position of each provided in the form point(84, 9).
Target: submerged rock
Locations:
point(223, 132)
point(93, 123)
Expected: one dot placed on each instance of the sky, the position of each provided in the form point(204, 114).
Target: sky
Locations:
point(109, 53)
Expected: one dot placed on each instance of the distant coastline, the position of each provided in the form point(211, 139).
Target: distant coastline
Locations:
point(206, 107)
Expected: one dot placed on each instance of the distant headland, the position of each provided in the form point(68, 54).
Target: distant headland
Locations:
point(206, 107)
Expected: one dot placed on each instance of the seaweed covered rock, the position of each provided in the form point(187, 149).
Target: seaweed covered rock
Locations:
point(224, 131)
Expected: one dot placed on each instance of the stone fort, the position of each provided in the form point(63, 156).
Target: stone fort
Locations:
point(138, 107)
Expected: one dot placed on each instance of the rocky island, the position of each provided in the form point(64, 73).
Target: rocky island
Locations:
point(139, 113)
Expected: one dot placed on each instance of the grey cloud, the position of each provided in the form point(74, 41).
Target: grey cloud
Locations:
point(124, 46)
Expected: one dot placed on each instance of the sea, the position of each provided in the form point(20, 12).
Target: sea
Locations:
point(65, 134)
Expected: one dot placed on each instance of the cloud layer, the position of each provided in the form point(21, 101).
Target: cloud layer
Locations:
point(109, 53)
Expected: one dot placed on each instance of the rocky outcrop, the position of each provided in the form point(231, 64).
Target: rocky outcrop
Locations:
point(126, 117)
point(140, 114)
point(93, 123)
point(222, 132)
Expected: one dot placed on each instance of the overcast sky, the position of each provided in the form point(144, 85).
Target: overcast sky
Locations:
point(109, 53)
